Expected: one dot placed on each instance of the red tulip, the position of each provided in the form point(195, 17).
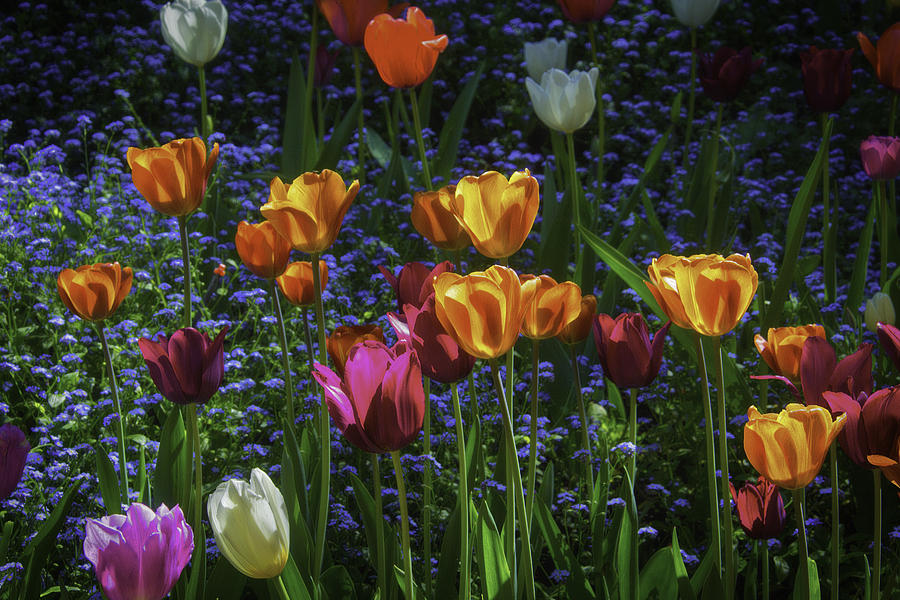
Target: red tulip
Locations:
point(348, 18)
point(726, 72)
point(889, 338)
point(583, 11)
point(624, 349)
point(873, 423)
point(187, 368)
point(415, 282)
point(760, 509)
point(826, 78)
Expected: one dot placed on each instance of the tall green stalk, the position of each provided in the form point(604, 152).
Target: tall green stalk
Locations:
point(360, 121)
point(828, 254)
point(689, 126)
point(716, 542)
point(381, 559)
point(835, 518)
point(575, 197)
point(324, 427)
point(585, 433)
point(727, 538)
point(532, 446)
point(282, 591)
point(426, 484)
point(404, 524)
point(802, 549)
point(464, 558)
point(632, 468)
point(876, 563)
point(713, 183)
point(123, 463)
point(199, 536)
point(426, 170)
point(204, 118)
point(310, 80)
point(285, 358)
point(764, 557)
point(186, 263)
point(882, 230)
point(601, 116)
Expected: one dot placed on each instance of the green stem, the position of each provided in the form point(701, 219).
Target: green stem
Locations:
point(199, 536)
point(123, 464)
point(632, 467)
point(282, 591)
point(404, 523)
point(324, 427)
point(764, 557)
point(320, 118)
point(464, 558)
point(426, 484)
point(360, 121)
point(882, 230)
point(576, 208)
point(585, 433)
point(285, 357)
point(802, 550)
point(533, 442)
point(710, 458)
point(381, 559)
point(511, 499)
point(601, 116)
point(876, 565)
point(310, 350)
point(691, 97)
point(417, 123)
point(828, 254)
point(835, 517)
point(713, 182)
point(186, 262)
point(632, 434)
point(727, 538)
point(473, 399)
point(310, 78)
point(204, 120)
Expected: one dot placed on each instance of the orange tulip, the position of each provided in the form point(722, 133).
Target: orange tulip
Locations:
point(553, 306)
point(262, 249)
point(788, 448)
point(579, 329)
point(704, 292)
point(309, 211)
point(890, 467)
point(433, 219)
point(783, 348)
point(296, 283)
point(172, 177)
point(343, 338)
point(93, 292)
point(484, 310)
point(497, 214)
point(885, 58)
point(404, 50)
point(348, 18)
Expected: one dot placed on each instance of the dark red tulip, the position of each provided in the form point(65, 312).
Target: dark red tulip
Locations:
point(13, 452)
point(324, 66)
point(760, 509)
point(626, 354)
point(415, 282)
point(889, 338)
point(820, 371)
point(187, 368)
point(873, 423)
point(726, 72)
point(584, 11)
point(826, 78)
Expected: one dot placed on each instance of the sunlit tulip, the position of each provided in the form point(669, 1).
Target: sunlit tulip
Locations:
point(552, 307)
point(14, 450)
point(564, 101)
point(628, 357)
point(433, 219)
point(879, 309)
point(820, 371)
point(496, 213)
point(250, 524)
point(873, 423)
point(542, 56)
point(348, 18)
point(187, 368)
point(379, 402)
point(826, 78)
point(704, 292)
point(694, 13)
point(415, 282)
point(579, 329)
point(172, 177)
point(880, 157)
point(262, 249)
point(783, 348)
point(788, 448)
point(724, 74)
point(296, 283)
point(484, 310)
point(309, 211)
point(194, 29)
point(343, 338)
point(139, 555)
point(583, 11)
point(93, 292)
point(404, 50)
point(885, 57)
point(760, 509)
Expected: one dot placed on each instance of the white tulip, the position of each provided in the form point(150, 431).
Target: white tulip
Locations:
point(879, 309)
point(542, 56)
point(195, 29)
point(694, 13)
point(564, 102)
point(250, 524)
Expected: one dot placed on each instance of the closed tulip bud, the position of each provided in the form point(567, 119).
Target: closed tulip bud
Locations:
point(826, 78)
point(262, 249)
point(309, 211)
point(889, 338)
point(497, 214)
point(579, 329)
point(885, 57)
point(880, 157)
point(296, 283)
point(433, 219)
point(141, 554)
point(584, 11)
point(873, 423)
point(705, 292)
point(564, 101)
point(784, 346)
point(628, 357)
point(14, 450)
point(194, 29)
point(760, 509)
point(343, 338)
point(404, 50)
point(187, 368)
point(250, 524)
point(879, 309)
point(94, 292)
point(542, 56)
point(694, 13)
point(348, 18)
point(552, 307)
point(788, 448)
point(415, 282)
point(172, 177)
point(724, 74)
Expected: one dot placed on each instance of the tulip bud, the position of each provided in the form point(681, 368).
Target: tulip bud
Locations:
point(194, 29)
point(578, 330)
point(432, 217)
point(694, 13)
point(879, 309)
point(628, 357)
point(552, 307)
point(724, 74)
point(826, 78)
point(404, 50)
point(542, 56)
point(564, 101)
point(760, 509)
point(262, 249)
point(415, 282)
point(296, 283)
point(187, 368)
point(94, 292)
point(584, 11)
point(783, 346)
point(172, 177)
point(13, 452)
point(880, 157)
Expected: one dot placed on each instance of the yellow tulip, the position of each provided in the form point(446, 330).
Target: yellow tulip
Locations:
point(93, 292)
point(579, 329)
point(552, 308)
point(433, 219)
point(172, 177)
point(782, 349)
point(262, 249)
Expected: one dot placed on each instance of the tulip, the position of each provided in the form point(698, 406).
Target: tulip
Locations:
point(262, 249)
point(187, 368)
point(704, 292)
point(564, 101)
point(484, 310)
point(433, 219)
point(348, 18)
point(553, 306)
point(324, 66)
point(542, 56)
point(139, 555)
point(873, 423)
point(879, 309)
point(826, 78)
point(889, 338)
point(250, 524)
point(194, 29)
point(583, 11)
point(694, 13)
point(14, 450)
point(788, 448)
point(415, 282)
point(496, 213)
point(783, 348)
point(309, 211)
point(94, 292)
point(404, 50)
point(343, 338)
point(880, 157)
point(820, 372)
point(296, 283)
point(379, 402)
point(885, 58)
point(172, 177)
point(724, 74)
point(624, 349)
point(760, 509)
point(580, 328)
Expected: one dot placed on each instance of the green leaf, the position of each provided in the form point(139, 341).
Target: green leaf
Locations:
point(861, 264)
point(337, 583)
point(451, 132)
point(294, 490)
point(293, 583)
point(556, 219)
point(196, 587)
point(808, 589)
point(706, 582)
point(142, 485)
point(577, 585)
point(109, 482)
point(626, 553)
point(369, 516)
point(474, 454)
point(496, 581)
point(172, 462)
point(685, 590)
point(447, 577)
point(658, 575)
point(225, 582)
point(39, 548)
point(340, 136)
point(292, 137)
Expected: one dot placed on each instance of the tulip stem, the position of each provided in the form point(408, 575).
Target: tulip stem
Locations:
point(835, 517)
point(360, 122)
point(533, 439)
point(632, 434)
point(324, 426)
point(514, 480)
point(379, 527)
point(585, 433)
point(310, 351)
point(511, 499)
point(464, 560)
point(310, 85)
point(282, 591)
point(802, 550)
point(689, 126)
point(186, 263)
point(285, 360)
point(417, 123)
point(576, 207)
point(426, 484)
point(727, 538)
point(710, 458)
point(204, 127)
point(632, 468)
point(828, 253)
point(876, 565)
point(882, 229)
point(601, 117)
point(764, 557)
point(404, 524)
point(713, 182)
point(199, 536)
point(123, 464)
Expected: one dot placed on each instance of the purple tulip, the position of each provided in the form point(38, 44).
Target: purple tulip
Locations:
point(415, 282)
point(880, 157)
point(139, 555)
point(760, 509)
point(624, 349)
point(187, 368)
point(13, 452)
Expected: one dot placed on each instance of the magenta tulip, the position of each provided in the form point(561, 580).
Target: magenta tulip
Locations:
point(724, 74)
point(624, 349)
point(880, 157)
point(873, 423)
point(760, 509)
point(415, 282)
point(13, 452)
point(187, 368)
